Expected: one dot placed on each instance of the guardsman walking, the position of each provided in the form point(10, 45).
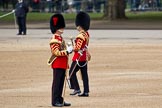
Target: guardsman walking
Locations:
point(79, 60)
point(60, 60)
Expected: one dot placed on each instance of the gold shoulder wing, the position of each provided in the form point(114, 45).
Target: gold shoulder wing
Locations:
point(54, 41)
point(81, 36)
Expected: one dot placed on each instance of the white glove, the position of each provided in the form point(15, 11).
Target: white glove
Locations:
point(69, 49)
point(13, 11)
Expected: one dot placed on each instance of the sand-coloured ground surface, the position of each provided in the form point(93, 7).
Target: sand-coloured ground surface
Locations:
point(125, 71)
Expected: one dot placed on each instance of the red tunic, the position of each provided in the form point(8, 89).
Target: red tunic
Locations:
point(81, 41)
point(58, 49)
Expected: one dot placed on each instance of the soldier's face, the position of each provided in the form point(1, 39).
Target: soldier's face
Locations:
point(79, 28)
point(61, 30)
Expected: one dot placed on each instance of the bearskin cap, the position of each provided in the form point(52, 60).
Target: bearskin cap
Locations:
point(83, 20)
point(57, 22)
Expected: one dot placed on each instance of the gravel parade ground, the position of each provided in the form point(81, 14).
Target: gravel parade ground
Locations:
point(125, 70)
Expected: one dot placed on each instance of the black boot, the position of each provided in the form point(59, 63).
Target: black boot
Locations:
point(75, 92)
point(67, 104)
point(83, 95)
point(19, 33)
point(58, 104)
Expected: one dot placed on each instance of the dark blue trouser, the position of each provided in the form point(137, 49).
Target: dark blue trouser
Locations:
point(57, 85)
point(21, 21)
point(84, 73)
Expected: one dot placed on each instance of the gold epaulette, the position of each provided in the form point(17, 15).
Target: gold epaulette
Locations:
point(81, 36)
point(52, 41)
